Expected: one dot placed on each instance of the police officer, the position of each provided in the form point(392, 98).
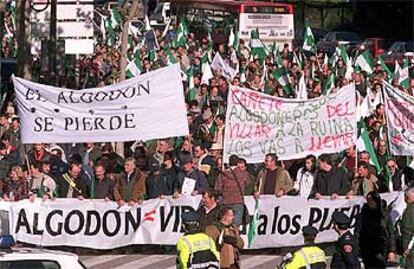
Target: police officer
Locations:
point(196, 249)
point(310, 256)
point(346, 248)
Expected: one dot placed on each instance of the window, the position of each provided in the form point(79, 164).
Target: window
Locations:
point(32, 264)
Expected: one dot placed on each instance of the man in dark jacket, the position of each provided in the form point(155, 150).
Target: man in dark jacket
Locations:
point(375, 233)
point(209, 209)
point(73, 184)
point(329, 180)
point(189, 171)
point(103, 186)
point(155, 184)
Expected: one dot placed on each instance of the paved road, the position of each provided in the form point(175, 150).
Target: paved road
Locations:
point(160, 261)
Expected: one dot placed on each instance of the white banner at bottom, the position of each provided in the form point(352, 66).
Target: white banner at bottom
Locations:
point(103, 225)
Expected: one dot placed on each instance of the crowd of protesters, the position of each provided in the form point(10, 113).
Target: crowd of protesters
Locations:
point(157, 169)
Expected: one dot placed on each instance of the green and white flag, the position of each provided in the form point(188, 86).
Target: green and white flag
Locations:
point(180, 38)
point(191, 94)
point(279, 60)
point(385, 67)
point(341, 51)
point(147, 24)
point(133, 68)
point(403, 76)
point(207, 73)
point(329, 84)
point(282, 78)
point(296, 60)
point(349, 69)
point(234, 39)
point(242, 72)
point(253, 224)
point(256, 45)
point(115, 19)
point(365, 143)
point(397, 70)
point(12, 10)
point(308, 40)
point(365, 61)
point(302, 92)
point(170, 57)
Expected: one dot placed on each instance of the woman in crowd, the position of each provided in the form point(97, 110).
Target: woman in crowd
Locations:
point(305, 177)
point(16, 185)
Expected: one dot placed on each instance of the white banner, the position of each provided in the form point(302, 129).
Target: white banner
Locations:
point(138, 108)
point(103, 225)
point(400, 120)
point(219, 64)
point(257, 124)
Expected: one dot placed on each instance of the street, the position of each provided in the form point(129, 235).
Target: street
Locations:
point(137, 261)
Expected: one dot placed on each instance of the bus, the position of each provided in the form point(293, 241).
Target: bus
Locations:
point(275, 21)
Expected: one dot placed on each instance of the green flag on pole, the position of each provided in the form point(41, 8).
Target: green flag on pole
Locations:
point(385, 67)
point(191, 94)
point(308, 40)
point(256, 45)
point(253, 224)
point(365, 61)
point(282, 78)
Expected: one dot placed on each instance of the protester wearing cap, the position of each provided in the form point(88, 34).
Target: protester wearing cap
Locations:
point(188, 170)
point(346, 248)
point(203, 134)
point(309, 256)
point(195, 249)
point(156, 183)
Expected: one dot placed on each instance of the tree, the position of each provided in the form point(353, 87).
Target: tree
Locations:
point(24, 57)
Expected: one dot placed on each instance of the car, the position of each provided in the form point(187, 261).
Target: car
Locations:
point(334, 38)
point(18, 258)
point(398, 51)
point(376, 45)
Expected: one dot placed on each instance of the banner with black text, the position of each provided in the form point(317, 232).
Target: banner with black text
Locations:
point(136, 109)
point(103, 225)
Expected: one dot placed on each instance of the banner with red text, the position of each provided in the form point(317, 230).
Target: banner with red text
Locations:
point(100, 224)
point(400, 119)
point(257, 124)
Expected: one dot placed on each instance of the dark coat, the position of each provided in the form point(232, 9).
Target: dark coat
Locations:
point(200, 178)
point(328, 183)
point(209, 218)
point(346, 253)
point(82, 184)
point(138, 188)
point(375, 232)
point(104, 188)
point(170, 177)
point(156, 185)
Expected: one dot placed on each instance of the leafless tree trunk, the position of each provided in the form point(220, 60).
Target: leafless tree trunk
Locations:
point(24, 57)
